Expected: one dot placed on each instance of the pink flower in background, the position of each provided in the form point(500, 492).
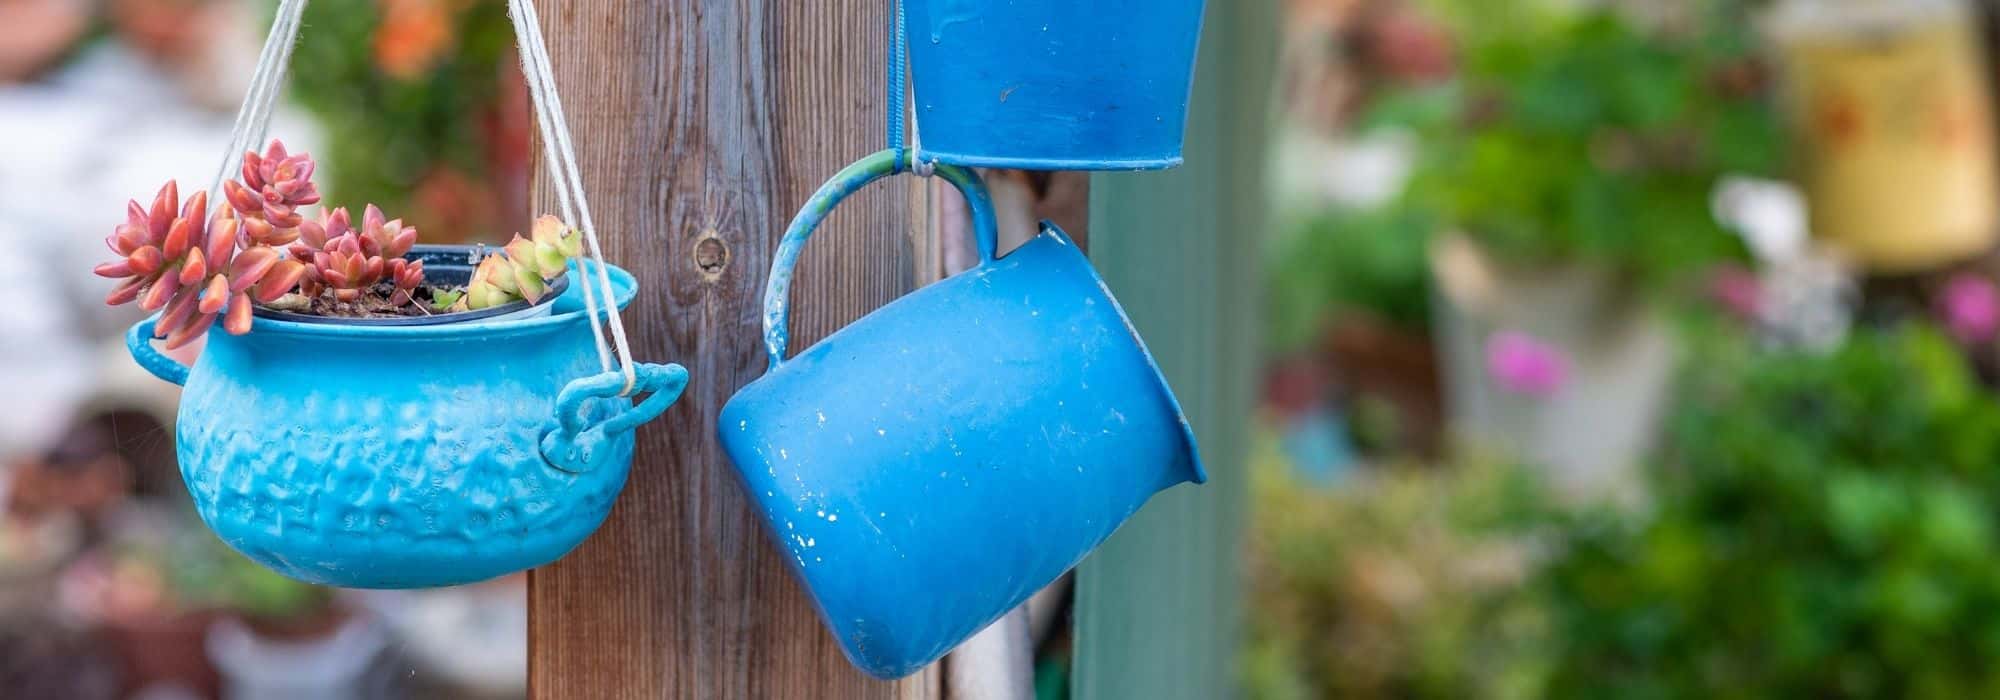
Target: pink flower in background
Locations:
point(1523, 364)
point(1737, 290)
point(1971, 308)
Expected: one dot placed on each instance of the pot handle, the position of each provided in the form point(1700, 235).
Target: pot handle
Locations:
point(139, 340)
point(577, 446)
point(777, 294)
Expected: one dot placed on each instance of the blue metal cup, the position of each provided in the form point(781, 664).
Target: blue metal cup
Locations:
point(407, 456)
point(1053, 84)
point(932, 465)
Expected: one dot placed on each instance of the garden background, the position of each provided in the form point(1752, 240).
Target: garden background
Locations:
point(1607, 348)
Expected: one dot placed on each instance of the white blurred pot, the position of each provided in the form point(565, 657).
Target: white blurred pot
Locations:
point(1589, 435)
point(328, 668)
point(474, 638)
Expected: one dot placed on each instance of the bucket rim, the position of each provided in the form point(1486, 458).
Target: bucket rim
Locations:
point(1033, 163)
point(1051, 231)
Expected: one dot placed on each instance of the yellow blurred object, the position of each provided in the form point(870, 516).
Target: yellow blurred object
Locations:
point(1897, 128)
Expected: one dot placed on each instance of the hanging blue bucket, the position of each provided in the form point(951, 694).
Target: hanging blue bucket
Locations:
point(1053, 84)
point(407, 456)
point(930, 466)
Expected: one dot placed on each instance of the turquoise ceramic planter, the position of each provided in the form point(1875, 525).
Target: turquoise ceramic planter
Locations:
point(411, 456)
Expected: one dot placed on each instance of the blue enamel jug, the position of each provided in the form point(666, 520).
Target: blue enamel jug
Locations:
point(927, 468)
point(1053, 84)
point(408, 456)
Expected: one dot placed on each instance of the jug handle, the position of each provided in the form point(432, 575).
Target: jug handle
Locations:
point(777, 293)
point(139, 340)
point(575, 445)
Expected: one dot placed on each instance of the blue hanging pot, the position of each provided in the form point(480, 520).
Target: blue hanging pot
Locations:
point(1053, 84)
point(930, 466)
point(408, 456)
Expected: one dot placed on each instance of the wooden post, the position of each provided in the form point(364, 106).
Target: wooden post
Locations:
point(701, 127)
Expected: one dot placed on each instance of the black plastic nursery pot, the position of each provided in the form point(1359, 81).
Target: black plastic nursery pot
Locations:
point(444, 266)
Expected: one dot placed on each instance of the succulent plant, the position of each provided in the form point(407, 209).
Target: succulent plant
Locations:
point(274, 186)
point(345, 268)
point(332, 224)
point(406, 276)
point(190, 269)
point(193, 269)
point(525, 266)
point(351, 262)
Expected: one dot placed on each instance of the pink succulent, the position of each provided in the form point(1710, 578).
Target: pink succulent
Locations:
point(274, 186)
point(380, 236)
point(346, 268)
point(406, 275)
point(192, 269)
point(1523, 364)
point(333, 223)
point(351, 261)
point(1970, 305)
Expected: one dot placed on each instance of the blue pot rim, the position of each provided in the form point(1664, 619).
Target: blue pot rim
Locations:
point(1193, 448)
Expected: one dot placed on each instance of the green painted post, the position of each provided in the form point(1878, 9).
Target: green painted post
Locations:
point(1157, 609)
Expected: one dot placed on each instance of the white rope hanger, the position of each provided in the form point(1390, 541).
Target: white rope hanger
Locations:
point(599, 298)
point(253, 119)
point(565, 176)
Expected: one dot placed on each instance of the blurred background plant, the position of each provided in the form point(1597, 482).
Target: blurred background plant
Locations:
point(1409, 582)
point(1587, 138)
point(1350, 263)
point(1822, 526)
point(1576, 147)
point(1807, 519)
point(1554, 131)
point(424, 108)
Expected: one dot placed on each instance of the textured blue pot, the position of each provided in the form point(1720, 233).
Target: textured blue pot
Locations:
point(407, 456)
point(1053, 84)
point(929, 467)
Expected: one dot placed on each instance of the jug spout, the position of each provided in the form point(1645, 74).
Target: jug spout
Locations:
point(1187, 467)
point(1190, 469)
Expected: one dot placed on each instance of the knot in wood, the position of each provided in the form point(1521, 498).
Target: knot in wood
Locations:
point(711, 255)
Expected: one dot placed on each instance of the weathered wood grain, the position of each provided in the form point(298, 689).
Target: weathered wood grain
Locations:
point(701, 126)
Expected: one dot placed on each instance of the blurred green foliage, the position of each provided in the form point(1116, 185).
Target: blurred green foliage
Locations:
point(202, 573)
point(1818, 525)
point(1409, 583)
point(1587, 139)
point(1343, 261)
point(1823, 527)
point(386, 133)
point(223, 578)
point(1568, 137)
point(1476, 17)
